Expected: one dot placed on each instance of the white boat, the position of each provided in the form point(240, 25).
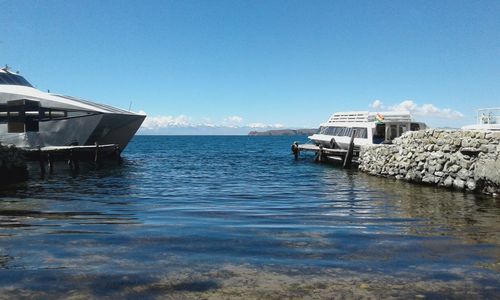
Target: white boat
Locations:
point(488, 119)
point(32, 118)
point(367, 127)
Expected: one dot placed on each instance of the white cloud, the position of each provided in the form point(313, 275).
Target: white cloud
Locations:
point(257, 125)
point(233, 119)
point(262, 125)
point(376, 104)
point(419, 110)
point(166, 121)
point(157, 123)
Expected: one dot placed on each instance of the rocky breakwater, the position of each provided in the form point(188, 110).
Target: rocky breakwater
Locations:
point(12, 165)
point(463, 160)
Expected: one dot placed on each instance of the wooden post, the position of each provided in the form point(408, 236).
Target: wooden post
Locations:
point(117, 155)
point(70, 159)
point(41, 162)
point(350, 150)
point(319, 155)
point(50, 163)
point(97, 157)
point(295, 150)
point(75, 162)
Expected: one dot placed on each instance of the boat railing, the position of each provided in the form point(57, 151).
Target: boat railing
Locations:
point(488, 116)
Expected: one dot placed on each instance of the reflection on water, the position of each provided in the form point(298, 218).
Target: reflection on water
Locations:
point(238, 217)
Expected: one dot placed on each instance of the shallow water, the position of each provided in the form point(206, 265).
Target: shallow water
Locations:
point(225, 217)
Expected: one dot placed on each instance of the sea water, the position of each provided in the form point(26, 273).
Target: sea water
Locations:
point(238, 217)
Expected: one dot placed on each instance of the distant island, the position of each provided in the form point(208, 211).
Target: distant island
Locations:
point(283, 132)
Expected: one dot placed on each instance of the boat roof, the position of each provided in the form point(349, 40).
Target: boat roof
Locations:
point(25, 90)
point(367, 116)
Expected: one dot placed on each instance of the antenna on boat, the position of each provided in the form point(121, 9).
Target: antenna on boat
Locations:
point(130, 106)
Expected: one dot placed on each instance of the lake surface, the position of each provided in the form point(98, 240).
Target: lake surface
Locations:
point(219, 217)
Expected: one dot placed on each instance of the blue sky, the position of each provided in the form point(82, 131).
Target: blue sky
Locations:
point(255, 63)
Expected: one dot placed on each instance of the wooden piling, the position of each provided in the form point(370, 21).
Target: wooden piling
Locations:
point(76, 164)
point(96, 157)
point(41, 162)
point(319, 155)
point(295, 150)
point(117, 155)
point(50, 163)
point(350, 150)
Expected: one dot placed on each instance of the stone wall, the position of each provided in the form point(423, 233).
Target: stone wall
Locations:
point(463, 160)
point(12, 165)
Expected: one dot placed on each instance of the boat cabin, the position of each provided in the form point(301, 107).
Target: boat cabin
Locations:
point(367, 128)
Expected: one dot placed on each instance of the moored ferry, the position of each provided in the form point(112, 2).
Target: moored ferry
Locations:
point(31, 118)
point(366, 128)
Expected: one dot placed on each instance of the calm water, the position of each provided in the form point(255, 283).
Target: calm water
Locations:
point(226, 217)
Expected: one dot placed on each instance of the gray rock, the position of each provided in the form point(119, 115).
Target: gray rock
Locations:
point(454, 168)
point(488, 169)
point(464, 174)
point(448, 182)
point(471, 185)
point(494, 135)
point(439, 174)
point(470, 151)
point(458, 184)
point(429, 178)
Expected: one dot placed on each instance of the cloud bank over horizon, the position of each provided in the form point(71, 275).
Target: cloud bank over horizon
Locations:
point(183, 124)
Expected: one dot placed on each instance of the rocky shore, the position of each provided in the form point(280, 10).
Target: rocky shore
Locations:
point(462, 160)
point(12, 165)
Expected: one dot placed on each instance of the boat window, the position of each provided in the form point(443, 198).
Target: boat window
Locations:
point(31, 109)
point(344, 131)
point(361, 133)
point(13, 79)
point(73, 114)
point(393, 132)
point(402, 129)
point(379, 134)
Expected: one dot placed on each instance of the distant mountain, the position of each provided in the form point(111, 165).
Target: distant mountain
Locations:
point(202, 130)
point(283, 132)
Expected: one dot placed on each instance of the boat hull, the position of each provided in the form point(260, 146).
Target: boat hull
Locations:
point(340, 142)
point(115, 129)
point(100, 128)
point(30, 118)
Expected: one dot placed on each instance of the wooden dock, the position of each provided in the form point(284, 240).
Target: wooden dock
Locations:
point(46, 156)
point(345, 156)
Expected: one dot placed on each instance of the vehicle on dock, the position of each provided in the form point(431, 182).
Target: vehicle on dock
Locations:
point(488, 119)
point(31, 118)
point(364, 127)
